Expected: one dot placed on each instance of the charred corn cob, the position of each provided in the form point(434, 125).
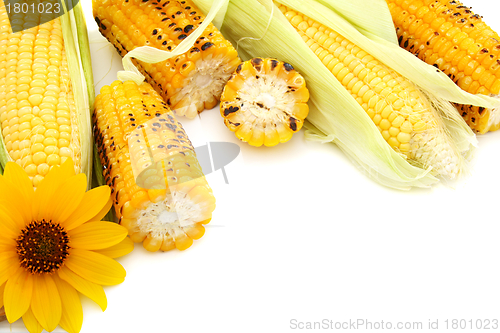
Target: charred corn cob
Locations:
point(190, 82)
point(158, 188)
point(402, 114)
point(451, 37)
point(265, 102)
point(44, 114)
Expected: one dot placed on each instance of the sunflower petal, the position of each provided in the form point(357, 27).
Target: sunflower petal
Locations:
point(9, 265)
point(43, 194)
point(99, 216)
point(119, 250)
point(9, 223)
point(19, 178)
point(93, 291)
point(2, 288)
point(46, 302)
point(67, 198)
point(32, 325)
point(92, 203)
point(6, 244)
point(95, 267)
point(72, 314)
point(17, 295)
point(14, 203)
point(97, 235)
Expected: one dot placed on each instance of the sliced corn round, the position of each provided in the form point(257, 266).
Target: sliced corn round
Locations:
point(265, 102)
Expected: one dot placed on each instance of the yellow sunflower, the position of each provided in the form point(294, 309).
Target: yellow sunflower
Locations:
point(53, 246)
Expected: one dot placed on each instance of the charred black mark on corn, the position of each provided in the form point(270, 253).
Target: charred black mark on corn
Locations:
point(231, 109)
point(257, 63)
point(274, 64)
point(206, 46)
point(287, 67)
point(234, 124)
point(293, 124)
point(238, 69)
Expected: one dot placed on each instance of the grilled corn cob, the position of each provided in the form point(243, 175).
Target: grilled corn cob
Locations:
point(402, 114)
point(190, 82)
point(451, 37)
point(265, 102)
point(158, 188)
point(44, 114)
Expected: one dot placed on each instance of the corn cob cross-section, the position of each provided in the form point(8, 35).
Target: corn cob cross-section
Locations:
point(265, 102)
point(41, 122)
point(190, 82)
point(451, 37)
point(158, 188)
point(403, 115)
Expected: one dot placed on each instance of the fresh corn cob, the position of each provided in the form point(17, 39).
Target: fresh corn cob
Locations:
point(190, 82)
point(158, 188)
point(403, 115)
point(265, 102)
point(451, 37)
point(44, 112)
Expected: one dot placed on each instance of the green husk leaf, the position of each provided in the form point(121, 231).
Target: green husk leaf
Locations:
point(371, 18)
point(79, 85)
point(153, 55)
point(100, 181)
point(387, 50)
point(83, 42)
point(334, 114)
point(4, 154)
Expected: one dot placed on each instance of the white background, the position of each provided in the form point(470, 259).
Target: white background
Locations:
point(300, 233)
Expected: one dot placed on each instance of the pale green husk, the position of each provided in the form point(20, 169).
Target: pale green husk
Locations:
point(83, 42)
point(371, 18)
point(78, 57)
point(334, 115)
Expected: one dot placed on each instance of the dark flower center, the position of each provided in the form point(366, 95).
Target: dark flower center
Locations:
point(42, 247)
